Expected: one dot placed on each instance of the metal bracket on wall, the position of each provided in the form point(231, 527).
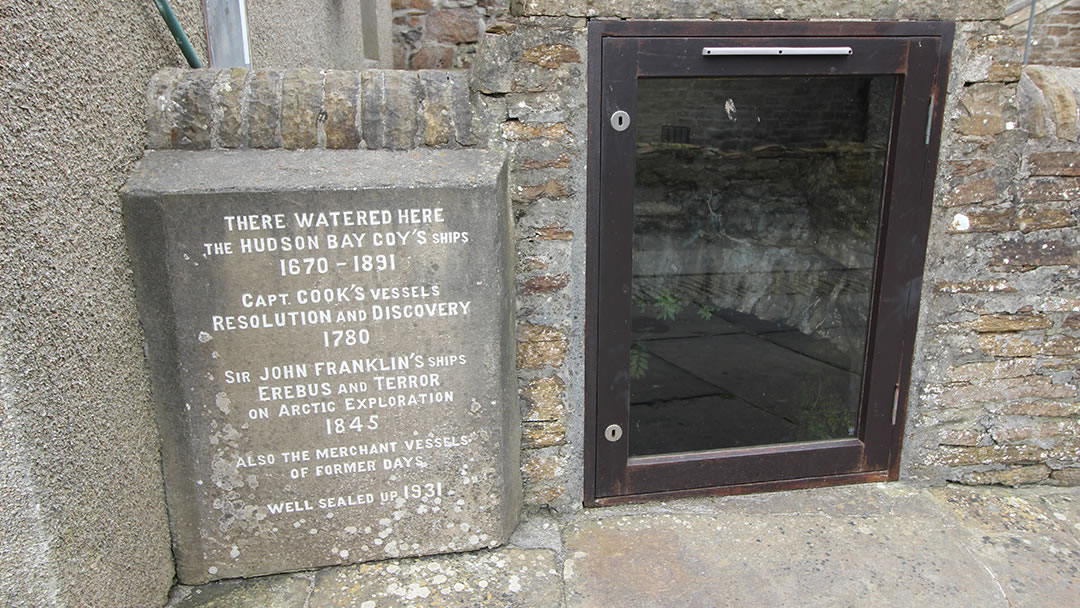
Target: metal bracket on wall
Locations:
point(226, 33)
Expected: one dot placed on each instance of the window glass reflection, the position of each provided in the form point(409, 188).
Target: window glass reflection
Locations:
point(756, 211)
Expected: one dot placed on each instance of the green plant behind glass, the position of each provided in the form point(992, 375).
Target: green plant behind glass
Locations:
point(821, 413)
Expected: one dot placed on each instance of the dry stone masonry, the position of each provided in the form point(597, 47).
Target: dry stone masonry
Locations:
point(999, 353)
point(441, 34)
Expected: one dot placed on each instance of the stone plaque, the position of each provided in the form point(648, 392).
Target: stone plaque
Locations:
point(331, 342)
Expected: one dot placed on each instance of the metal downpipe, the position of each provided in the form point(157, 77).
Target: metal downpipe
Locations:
point(178, 33)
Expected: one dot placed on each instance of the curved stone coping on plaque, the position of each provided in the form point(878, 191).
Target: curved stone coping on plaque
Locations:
point(308, 108)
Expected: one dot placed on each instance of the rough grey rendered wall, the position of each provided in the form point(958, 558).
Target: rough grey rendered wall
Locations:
point(325, 34)
point(82, 511)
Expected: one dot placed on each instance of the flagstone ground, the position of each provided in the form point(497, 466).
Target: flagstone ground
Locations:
point(888, 544)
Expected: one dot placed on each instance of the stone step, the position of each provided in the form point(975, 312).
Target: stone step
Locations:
point(867, 545)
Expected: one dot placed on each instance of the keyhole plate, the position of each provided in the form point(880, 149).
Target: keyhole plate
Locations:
point(613, 433)
point(620, 120)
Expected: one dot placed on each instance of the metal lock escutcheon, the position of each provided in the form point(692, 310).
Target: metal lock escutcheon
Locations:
point(613, 433)
point(620, 120)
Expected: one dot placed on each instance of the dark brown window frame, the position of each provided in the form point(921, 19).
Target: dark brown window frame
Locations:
point(899, 263)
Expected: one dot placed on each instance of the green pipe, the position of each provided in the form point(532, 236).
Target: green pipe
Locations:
point(178, 32)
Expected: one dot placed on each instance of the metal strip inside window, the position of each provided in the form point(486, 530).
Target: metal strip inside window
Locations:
point(775, 50)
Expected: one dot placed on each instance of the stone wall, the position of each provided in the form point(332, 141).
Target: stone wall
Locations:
point(987, 327)
point(386, 109)
point(82, 504)
point(530, 78)
point(441, 34)
point(789, 234)
point(930, 10)
point(1055, 38)
point(995, 399)
point(529, 81)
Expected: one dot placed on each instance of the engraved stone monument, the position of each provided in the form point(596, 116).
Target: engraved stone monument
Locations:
point(331, 342)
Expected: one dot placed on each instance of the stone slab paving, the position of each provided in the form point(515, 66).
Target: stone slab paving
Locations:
point(1027, 540)
point(1065, 507)
point(284, 591)
point(514, 578)
point(866, 545)
point(771, 560)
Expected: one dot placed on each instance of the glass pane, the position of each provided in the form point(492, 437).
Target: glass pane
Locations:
point(756, 210)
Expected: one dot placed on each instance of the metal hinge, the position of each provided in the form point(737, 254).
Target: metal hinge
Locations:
point(930, 117)
point(895, 403)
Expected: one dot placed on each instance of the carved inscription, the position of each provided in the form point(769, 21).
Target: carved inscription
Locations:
point(343, 283)
point(331, 342)
point(337, 386)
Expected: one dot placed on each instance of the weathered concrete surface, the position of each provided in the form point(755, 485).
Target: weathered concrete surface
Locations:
point(868, 545)
point(883, 544)
point(504, 578)
point(669, 559)
point(1065, 508)
point(82, 506)
point(1025, 539)
point(283, 591)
